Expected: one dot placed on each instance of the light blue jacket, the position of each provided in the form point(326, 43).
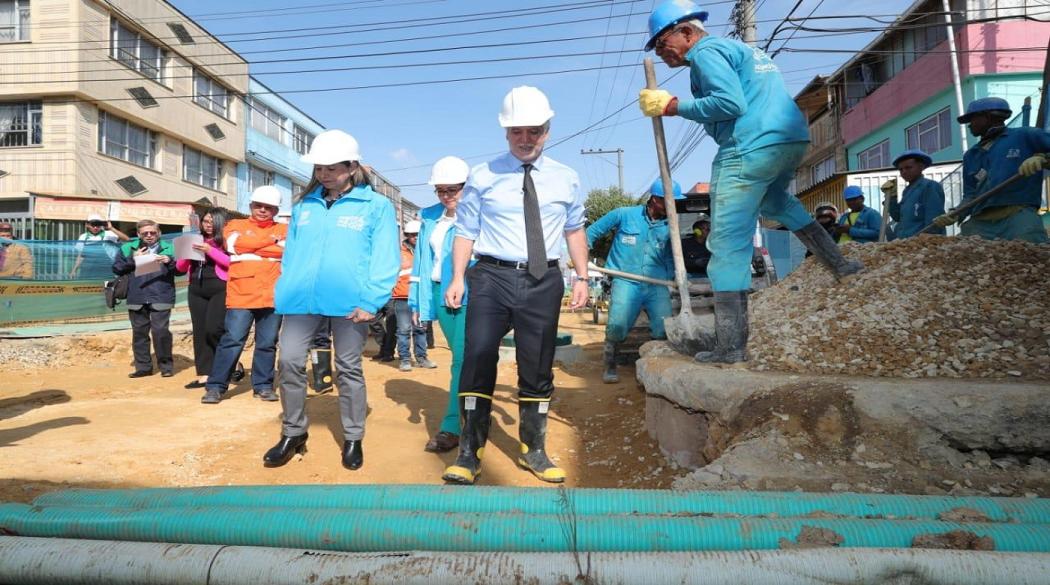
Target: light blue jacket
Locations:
point(640, 246)
point(740, 97)
point(986, 164)
point(921, 201)
point(866, 230)
point(339, 259)
point(420, 293)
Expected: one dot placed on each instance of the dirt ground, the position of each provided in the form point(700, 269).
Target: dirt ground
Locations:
point(70, 417)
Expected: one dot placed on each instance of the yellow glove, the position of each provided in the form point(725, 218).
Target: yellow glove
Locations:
point(653, 102)
point(944, 220)
point(1032, 165)
point(890, 188)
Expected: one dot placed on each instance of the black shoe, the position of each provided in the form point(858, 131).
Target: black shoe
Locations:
point(238, 373)
point(353, 455)
point(194, 385)
point(283, 451)
point(167, 374)
point(140, 373)
point(382, 358)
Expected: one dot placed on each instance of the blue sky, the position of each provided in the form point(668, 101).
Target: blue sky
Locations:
point(403, 130)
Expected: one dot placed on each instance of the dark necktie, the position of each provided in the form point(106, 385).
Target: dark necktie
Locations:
point(534, 228)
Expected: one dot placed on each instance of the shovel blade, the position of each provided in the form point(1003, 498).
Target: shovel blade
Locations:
point(687, 334)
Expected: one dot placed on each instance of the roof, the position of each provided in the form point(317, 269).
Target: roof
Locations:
point(701, 188)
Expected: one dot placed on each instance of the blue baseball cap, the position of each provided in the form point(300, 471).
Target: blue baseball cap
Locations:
point(852, 192)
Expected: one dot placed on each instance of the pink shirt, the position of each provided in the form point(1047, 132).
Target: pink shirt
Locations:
point(217, 255)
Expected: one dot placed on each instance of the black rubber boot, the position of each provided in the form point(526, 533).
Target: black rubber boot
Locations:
point(532, 428)
point(731, 329)
point(322, 370)
point(474, 411)
point(819, 242)
point(610, 376)
point(284, 450)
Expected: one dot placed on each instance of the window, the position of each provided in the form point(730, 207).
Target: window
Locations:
point(822, 170)
point(258, 177)
point(126, 141)
point(128, 47)
point(301, 139)
point(266, 121)
point(14, 21)
point(297, 189)
point(931, 134)
point(200, 168)
point(208, 93)
point(20, 124)
point(875, 157)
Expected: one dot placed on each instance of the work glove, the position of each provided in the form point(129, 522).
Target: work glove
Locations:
point(1032, 165)
point(890, 188)
point(944, 220)
point(654, 102)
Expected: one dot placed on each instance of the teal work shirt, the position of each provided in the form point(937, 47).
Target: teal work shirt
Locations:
point(640, 245)
point(921, 202)
point(740, 97)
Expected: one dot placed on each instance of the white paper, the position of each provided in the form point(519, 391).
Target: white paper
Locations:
point(184, 247)
point(146, 264)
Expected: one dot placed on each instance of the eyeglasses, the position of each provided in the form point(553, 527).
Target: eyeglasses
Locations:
point(662, 41)
point(447, 192)
point(149, 233)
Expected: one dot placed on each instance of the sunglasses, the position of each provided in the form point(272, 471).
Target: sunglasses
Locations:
point(448, 192)
point(96, 224)
point(149, 233)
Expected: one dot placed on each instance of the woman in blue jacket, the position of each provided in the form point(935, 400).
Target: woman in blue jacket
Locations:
point(340, 263)
point(431, 271)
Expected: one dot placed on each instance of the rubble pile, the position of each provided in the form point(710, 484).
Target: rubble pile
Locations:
point(925, 307)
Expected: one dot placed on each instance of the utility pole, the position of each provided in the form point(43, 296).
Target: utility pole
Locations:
point(619, 160)
point(955, 71)
point(746, 28)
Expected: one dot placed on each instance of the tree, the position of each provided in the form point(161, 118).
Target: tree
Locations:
point(602, 201)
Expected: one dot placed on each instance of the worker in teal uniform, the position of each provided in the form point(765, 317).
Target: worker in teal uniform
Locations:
point(739, 95)
point(922, 200)
point(860, 223)
point(640, 246)
point(1001, 153)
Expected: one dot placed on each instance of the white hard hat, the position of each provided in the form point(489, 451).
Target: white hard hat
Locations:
point(267, 195)
point(412, 226)
point(95, 217)
point(525, 106)
point(331, 147)
point(449, 171)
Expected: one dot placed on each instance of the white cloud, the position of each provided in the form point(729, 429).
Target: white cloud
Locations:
point(403, 155)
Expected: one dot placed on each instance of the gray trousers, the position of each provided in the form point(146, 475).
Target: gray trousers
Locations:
point(348, 340)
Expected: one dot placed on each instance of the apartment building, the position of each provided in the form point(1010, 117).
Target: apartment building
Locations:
point(125, 108)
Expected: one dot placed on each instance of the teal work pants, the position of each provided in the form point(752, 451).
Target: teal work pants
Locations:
point(453, 324)
point(1024, 225)
point(628, 299)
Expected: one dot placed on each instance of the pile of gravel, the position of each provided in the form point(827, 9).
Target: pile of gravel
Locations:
point(924, 307)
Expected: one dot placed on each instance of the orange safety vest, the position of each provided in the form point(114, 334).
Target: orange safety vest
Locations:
point(255, 262)
point(403, 277)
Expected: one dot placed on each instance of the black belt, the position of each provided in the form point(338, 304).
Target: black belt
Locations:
point(509, 264)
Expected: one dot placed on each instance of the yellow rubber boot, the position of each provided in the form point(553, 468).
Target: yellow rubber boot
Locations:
point(532, 428)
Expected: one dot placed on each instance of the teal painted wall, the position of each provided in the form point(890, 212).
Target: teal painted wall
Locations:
point(1011, 87)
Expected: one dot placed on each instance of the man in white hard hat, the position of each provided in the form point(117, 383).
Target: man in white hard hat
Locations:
point(513, 215)
point(256, 246)
point(411, 337)
point(740, 98)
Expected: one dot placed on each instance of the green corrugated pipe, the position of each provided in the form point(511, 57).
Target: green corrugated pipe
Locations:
point(384, 530)
point(585, 502)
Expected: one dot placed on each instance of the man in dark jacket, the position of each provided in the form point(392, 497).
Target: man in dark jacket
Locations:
point(151, 295)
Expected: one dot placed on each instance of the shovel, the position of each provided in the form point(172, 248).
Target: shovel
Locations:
point(693, 288)
point(968, 205)
point(685, 333)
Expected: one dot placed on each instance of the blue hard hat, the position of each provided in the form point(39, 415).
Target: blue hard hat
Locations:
point(852, 192)
point(986, 104)
point(657, 189)
point(670, 13)
point(916, 154)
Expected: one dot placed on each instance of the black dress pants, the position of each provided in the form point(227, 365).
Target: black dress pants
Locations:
point(207, 301)
point(145, 322)
point(500, 299)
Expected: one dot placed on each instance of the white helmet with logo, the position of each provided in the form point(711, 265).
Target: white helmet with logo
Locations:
point(525, 106)
point(331, 147)
point(449, 171)
point(267, 195)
